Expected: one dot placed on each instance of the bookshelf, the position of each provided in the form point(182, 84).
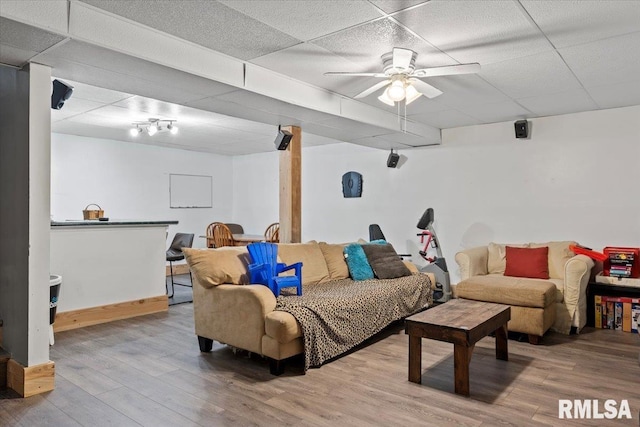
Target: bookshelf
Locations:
point(605, 289)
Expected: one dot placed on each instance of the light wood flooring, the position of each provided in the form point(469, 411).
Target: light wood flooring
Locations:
point(149, 371)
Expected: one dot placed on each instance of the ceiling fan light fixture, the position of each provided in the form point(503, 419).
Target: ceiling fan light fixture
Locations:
point(152, 130)
point(135, 131)
point(396, 91)
point(412, 94)
point(385, 98)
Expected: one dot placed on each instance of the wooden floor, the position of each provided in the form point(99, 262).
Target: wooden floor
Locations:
point(148, 371)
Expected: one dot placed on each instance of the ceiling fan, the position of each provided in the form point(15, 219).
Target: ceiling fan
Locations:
point(402, 79)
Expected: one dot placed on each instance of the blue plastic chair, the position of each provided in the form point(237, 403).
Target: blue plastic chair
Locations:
point(265, 268)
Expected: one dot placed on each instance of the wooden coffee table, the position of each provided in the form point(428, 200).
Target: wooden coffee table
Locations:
point(463, 323)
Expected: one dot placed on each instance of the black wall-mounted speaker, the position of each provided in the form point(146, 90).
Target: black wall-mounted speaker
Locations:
point(283, 139)
point(61, 92)
point(392, 160)
point(352, 184)
point(522, 128)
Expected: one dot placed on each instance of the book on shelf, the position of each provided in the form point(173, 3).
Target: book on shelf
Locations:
point(621, 313)
point(635, 316)
point(626, 314)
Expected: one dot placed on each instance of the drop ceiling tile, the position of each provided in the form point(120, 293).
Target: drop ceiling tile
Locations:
point(406, 139)
point(166, 78)
point(571, 101)
point(476, 31)
point(532, 75)
point(465, 90)
point(26, 37)
point(73, 107)
point(320, 17)
point(271, 105)
point(496, 112)
point(366, 43)
point(617, 95)
point(445, 119)
point(308, 62)
point(381, 143)
point(207, 23)
point(96, 94)
point(391, 6)
point(237, 110)
point(609, 61)
point(568, 23)
point(353, 129)
point(312, 140)
point(13, 56)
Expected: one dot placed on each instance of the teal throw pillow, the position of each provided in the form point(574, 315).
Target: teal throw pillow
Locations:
point(359, 267)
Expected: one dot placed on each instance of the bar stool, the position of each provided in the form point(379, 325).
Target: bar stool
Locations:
point(174, 253)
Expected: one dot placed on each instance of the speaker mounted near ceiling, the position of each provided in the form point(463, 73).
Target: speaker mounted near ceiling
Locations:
point(61, 92)
point(521, 128)
point(393, 159)
point(283, 139)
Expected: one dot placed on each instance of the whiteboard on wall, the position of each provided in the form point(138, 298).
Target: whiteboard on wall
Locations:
point(190, 191)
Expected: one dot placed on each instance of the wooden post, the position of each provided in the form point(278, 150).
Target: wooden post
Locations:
point(291, 188)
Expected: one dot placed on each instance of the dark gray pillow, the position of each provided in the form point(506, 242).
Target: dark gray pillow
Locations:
point(385, 262)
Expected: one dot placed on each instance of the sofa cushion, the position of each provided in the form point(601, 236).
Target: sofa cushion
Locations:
point(314, 267)
point(496, 258)
point(282, 326)
point(214, 267)
point(559, 254)
point(334, 257)
point(527, 262)
point(508, 290)
point(359, 267)
point(385, 262)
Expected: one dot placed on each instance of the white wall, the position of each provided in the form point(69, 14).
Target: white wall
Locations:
point(575, 179)
point(131, 181)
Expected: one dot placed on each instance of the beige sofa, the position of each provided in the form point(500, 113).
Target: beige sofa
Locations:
point(558, 303)
point(230, 310)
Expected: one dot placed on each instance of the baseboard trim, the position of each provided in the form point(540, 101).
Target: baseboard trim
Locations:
point(31, 380)
point(178, 269)
point(107, 313)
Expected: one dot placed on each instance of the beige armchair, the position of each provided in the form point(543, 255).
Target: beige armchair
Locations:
point(559, 303)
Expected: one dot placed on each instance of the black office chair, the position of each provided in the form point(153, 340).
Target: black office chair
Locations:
point(375, 233)
point(174, 253)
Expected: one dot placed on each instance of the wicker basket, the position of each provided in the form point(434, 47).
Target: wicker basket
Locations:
point(92, 213)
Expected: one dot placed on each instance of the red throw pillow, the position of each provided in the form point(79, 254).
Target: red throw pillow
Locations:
point(527, 262)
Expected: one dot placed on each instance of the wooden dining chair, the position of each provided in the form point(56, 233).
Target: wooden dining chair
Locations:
point(272, 233)
point(209, 233)
point(235, 228)
point(222, 236)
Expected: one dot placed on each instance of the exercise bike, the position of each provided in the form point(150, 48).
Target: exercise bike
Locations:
point(437, 264)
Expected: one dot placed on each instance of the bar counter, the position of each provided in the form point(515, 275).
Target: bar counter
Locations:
point(110, 269)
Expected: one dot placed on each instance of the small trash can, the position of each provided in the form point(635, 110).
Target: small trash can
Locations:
point(54, 293)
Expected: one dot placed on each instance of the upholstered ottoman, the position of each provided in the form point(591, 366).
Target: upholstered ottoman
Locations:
point(532, 301)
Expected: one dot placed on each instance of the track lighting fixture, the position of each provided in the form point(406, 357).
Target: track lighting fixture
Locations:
point(153, 126)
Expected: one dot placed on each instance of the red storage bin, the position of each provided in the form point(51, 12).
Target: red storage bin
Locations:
point(624, 256)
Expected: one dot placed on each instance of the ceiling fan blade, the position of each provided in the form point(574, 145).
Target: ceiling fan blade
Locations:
point(402, 58)
point(447, 71)
point(372, 89)
point(425, 88)
point(346, 73)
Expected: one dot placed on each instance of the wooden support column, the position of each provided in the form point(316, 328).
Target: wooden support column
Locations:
point(291, 188)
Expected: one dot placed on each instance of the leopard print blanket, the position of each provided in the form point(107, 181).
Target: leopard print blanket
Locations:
point(336, 316)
